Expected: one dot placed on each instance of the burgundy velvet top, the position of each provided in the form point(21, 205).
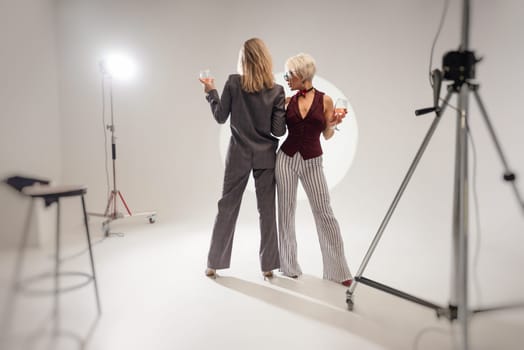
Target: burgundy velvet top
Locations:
point(304, 133)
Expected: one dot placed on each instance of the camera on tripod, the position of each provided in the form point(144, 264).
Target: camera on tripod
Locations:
point(459, 66)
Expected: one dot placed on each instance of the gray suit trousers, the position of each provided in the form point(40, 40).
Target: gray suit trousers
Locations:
point(235, 181)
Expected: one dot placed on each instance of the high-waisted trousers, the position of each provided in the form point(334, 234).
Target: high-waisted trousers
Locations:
point(310, 172)
point(235, 181)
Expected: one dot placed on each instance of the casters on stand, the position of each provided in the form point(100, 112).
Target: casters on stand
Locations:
point(105, 228)
point(152, 219)
point(349, 300)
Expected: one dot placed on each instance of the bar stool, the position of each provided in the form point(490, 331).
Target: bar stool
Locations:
point(39, 189)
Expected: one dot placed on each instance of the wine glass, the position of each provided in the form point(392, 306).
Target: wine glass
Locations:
point(341, 109)
point(205, 75)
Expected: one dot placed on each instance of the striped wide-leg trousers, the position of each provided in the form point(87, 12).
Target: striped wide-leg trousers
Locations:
point(288, 171)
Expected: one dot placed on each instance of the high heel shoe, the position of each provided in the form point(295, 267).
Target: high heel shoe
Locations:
point(211, 272)
point(347, 283)
point(267, 274)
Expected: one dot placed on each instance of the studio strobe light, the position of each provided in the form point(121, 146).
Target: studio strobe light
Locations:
point(118, 67)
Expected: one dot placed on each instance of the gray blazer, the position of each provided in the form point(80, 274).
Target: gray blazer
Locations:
point(256, 118)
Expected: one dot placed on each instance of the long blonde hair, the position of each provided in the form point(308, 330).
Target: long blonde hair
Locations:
point(255, 65)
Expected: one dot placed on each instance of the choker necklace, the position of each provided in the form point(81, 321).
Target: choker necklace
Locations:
point(303, 92)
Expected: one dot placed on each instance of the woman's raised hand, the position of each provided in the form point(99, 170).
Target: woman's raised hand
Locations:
point(206, 79)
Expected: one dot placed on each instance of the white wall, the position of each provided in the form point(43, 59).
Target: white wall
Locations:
point(377, 52)
point(30, 132)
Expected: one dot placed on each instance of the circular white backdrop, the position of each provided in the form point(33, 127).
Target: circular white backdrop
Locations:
point(339, 151)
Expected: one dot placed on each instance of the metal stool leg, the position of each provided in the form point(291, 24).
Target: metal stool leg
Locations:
point(91, 257)
point(21, 250)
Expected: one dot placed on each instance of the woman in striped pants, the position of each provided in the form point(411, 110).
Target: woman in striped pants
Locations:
point(309, 113)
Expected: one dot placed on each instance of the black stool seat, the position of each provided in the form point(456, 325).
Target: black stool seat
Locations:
point(53, 192)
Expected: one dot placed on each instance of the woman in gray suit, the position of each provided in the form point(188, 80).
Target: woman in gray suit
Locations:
point(256, 106)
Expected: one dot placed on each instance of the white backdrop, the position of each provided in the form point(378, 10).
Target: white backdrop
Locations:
point(30, 129)
point(376, 52)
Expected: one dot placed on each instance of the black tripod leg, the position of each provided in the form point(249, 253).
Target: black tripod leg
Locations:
point(378, 235)
point(508, 174)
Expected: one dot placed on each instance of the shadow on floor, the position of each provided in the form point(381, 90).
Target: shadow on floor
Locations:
point(318, 304)
point(377, 317)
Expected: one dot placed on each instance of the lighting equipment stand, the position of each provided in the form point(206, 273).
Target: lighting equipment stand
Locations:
point(459, 66)
point(111, 212)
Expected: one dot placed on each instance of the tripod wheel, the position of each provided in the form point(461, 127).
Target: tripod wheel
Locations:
point(105, 228)
point(350, 304)
point(152, 219)
point(349, 300)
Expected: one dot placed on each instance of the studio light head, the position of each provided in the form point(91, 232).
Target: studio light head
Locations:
point(459, 66)
point(118, 66)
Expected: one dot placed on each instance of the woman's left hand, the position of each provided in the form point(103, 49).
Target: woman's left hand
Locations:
point(209, 84)
point(337, 117)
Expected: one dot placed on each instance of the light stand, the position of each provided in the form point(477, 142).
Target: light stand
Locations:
point(459, 66)
point(111, 212)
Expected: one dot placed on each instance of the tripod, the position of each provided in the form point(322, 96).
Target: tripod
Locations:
point(459, 66)
point(111, 212)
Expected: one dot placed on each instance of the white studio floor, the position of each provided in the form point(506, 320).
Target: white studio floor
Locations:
point(154, 295)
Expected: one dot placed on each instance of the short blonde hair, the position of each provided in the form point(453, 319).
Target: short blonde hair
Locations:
point(302, 65)
point(255, 66)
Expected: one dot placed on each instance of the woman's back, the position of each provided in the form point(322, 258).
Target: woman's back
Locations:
point(256, 118)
